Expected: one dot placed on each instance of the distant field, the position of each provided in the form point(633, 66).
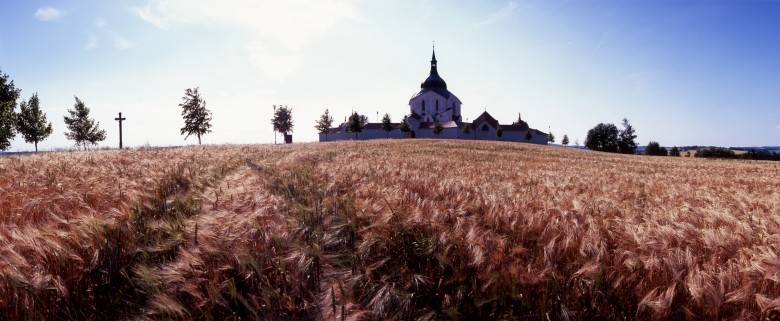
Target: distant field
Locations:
point(693, 152)
point(401, 229)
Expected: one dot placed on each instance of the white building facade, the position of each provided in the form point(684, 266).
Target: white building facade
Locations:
point(435, 104)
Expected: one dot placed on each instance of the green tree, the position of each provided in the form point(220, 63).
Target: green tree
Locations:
point(528, 135)
point(197, 119)
point(550, 138)
point(282, 120)
point(437, 128)
point(655, 149)
point(466, 129)
point(499, 131)
point(404, 126)
point(674, 152)
point(603, 138)
point(82, 129)
point(324, 123)
point(31, 121)
point(626, 143)
point(387, 125)
point(356, 123)
point(565, 140)
point(8, 96)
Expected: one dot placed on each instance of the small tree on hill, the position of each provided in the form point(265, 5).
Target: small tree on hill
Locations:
point(282, 121)
point(655, 149)
point(466, 129)
point(404, 126)
point(674, 152)
point(550, 138)
point(197, 119)
point(603, 138)
point(626, 143)
point(31, 122)
point(565, 140)
point(528, 135)
point(437, 128)
point(387, 125)
point(356, 123)
point(8, 96)
point(499, 131)
point(324, 123)
point(82, 129)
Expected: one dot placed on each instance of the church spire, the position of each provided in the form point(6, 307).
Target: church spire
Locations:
point(433, 60)
point(434, 80)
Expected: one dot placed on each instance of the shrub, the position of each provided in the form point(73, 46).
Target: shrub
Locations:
point(715, 152)
point(655, 149)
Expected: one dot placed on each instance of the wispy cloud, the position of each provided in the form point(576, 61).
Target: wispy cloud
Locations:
point(777, 127)
point(292, 23)
point(99, 22)
point(643, 83)
point(121, 43)
point(117, 41)
point(278, 28)
point(48, 13)
point(277, 66)
point(92, 42)
point(502, 13)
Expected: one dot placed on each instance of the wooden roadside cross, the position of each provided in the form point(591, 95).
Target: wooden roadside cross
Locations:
point(120, 119)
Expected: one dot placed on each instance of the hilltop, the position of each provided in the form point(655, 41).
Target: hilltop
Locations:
point(387, 229)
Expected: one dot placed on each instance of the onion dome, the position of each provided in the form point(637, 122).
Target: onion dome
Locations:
point(434, 81)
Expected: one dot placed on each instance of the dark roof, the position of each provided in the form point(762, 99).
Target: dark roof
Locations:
point(515, 128)
point(485, 117)
point(442, 92)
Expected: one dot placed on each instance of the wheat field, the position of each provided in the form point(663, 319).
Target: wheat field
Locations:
point(387, 229)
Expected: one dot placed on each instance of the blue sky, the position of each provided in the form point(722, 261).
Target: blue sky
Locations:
point(683, 72)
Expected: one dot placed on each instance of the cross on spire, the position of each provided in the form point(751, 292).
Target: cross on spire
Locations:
point(120, 119)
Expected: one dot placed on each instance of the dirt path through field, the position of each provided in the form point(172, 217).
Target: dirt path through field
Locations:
point(237, 215)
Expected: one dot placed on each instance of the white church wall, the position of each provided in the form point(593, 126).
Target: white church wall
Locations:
point(448, 133)
point(430, 98)
point(364, 135)
point(480, 134)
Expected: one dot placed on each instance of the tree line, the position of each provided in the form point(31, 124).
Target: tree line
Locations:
point(31, 121)
point(33, 126)
point(608, 138)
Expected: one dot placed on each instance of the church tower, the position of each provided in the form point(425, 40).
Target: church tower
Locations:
point(434, 102)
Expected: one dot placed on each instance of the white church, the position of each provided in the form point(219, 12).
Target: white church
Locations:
point(432, 104)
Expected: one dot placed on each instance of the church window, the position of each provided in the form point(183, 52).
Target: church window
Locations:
point(484, 128)
point(423, 105)
point(437, 105)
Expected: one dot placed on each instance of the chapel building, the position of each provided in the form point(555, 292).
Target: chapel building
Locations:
point(434, 103)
